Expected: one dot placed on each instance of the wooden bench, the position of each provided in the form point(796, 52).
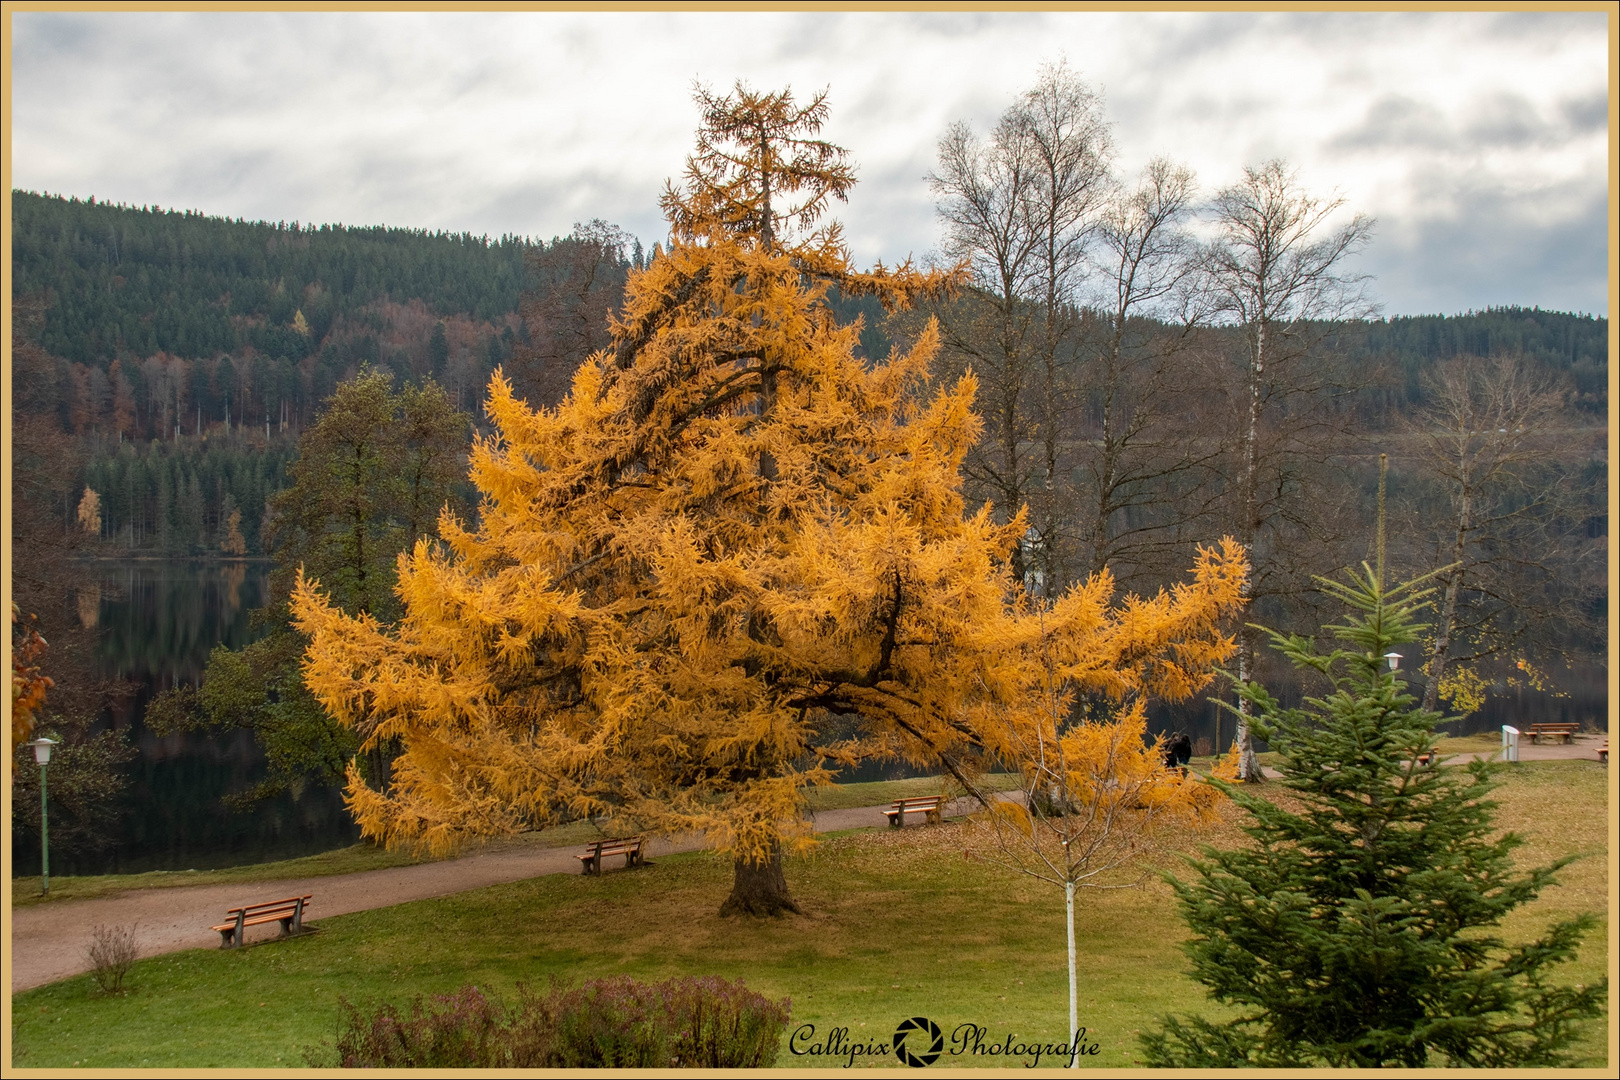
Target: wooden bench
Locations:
point(289, 913)
point(928, 805)
point(628, 846)
point(1603, 752)
point(1565, 730)
point(1424, 759)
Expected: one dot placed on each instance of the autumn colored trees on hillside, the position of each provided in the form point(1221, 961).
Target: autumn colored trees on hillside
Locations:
point(1148, 384)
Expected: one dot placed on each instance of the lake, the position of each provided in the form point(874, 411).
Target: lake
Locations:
point(160, 620)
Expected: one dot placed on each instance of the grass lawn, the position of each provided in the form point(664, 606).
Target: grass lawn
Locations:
point(883, 792)
point(897, 924)
point(1483, 742)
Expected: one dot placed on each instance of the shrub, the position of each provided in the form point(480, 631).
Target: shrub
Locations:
point(457, 1030)
point(111, 953)
point(612, 1023)
point(607, 1023)
point(721, 1025)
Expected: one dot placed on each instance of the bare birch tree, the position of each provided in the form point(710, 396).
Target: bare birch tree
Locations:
point(1144, 466)
point(1020, 210)
point(1071, 150)
point(1277, 270)
point(576, 282)
point(1492, 433)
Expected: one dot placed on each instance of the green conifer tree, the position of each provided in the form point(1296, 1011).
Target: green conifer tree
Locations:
point(438, 352)
point(1358, 930)
point(372, 474)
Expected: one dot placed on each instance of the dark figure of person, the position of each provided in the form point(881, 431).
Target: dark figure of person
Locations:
point(1179, 752)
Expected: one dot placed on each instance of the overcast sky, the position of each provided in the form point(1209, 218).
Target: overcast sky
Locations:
point(1478, 141)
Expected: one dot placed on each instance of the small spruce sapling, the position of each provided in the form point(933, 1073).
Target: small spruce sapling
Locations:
point(1357, 931)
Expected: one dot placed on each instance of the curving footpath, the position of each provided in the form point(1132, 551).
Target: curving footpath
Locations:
point(48, 940)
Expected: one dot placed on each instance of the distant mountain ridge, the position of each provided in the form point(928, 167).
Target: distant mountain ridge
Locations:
point(142, 281)
point(147, 280)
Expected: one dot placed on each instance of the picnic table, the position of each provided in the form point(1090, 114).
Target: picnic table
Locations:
point(1565, 731)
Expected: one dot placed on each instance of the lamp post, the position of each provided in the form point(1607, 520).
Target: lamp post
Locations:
point(42, 754)
point(1394, 660)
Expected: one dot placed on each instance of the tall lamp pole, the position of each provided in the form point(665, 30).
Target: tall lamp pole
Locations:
point(42, 754)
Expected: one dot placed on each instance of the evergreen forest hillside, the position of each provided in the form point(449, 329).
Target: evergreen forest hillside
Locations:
point(167, 361)
point(125, 284)
point(146, 280)
point(181, 355)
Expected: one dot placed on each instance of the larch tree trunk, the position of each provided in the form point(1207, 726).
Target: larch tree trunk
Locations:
point(759, 888)
point(1074, 991)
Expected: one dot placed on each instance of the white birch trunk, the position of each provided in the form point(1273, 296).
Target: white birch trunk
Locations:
point(1074, 1005)
point(1248, 764)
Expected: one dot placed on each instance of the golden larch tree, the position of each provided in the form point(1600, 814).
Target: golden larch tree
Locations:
point(732, 559)
point(90, 512)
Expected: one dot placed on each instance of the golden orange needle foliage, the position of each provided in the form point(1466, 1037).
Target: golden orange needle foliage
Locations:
point(1084, 768)
point(1095, 788)
point(28, 684)
point(733, 557)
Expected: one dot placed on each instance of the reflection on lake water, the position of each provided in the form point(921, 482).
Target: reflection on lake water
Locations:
point(159, 621)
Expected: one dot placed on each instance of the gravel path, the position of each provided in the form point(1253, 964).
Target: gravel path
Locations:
point(48, 940)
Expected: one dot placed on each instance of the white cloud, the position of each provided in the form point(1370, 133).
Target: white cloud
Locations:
point(1446, 126)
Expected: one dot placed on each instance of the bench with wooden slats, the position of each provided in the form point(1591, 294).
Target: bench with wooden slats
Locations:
point(289, 913)
point(1565, 731)
point(928, 806)
point(628, 846)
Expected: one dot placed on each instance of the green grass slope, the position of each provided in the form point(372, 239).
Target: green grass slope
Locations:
point(897, 924)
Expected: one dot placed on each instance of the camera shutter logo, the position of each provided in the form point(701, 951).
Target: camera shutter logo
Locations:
point(927, 1034)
